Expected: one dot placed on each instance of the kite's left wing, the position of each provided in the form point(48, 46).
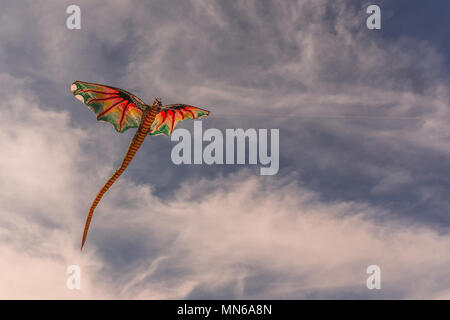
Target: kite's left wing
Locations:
point(117, 106)
point(170, 115)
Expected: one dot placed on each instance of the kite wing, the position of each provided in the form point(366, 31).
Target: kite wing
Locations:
point(119, 107)
point(166, 120)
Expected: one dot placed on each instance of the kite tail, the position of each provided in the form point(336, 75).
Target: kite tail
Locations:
point(138, 138)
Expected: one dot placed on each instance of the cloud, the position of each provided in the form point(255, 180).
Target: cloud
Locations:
point(363, 125)
point(243, 236)
point(285, 241)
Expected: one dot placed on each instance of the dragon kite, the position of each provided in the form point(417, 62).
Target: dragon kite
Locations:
point(124, 111)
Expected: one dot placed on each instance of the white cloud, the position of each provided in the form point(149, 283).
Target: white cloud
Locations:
point(228, 235)
point(211, 235)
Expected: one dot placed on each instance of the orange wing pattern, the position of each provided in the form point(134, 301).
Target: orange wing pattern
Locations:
point(170, 115)
point(119, 107)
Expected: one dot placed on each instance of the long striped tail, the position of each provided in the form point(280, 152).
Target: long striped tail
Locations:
point(132, 149)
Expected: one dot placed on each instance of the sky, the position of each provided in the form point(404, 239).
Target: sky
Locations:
point(363, 118)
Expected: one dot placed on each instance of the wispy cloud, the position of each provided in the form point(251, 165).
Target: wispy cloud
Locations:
point(363, 144)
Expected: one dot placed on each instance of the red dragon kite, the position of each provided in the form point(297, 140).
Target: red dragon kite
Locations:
point(124, 111)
